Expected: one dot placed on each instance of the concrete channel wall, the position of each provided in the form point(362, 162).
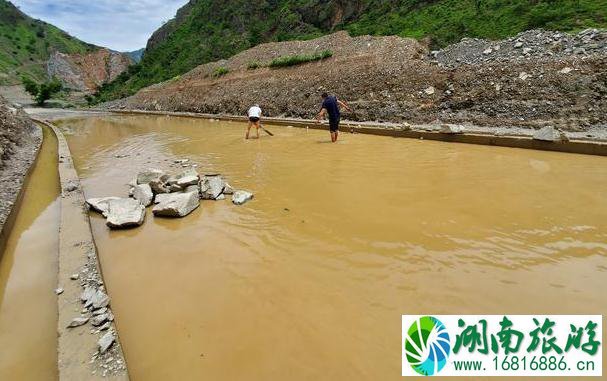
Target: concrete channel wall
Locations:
point(587, 147)
point(78, 355)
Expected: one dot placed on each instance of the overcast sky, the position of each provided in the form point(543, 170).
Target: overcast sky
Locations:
point(122, 25)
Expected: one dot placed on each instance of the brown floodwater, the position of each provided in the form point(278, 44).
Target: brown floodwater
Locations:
point(310, 279)
point(28, 276)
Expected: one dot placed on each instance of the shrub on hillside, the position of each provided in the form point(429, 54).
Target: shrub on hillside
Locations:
point(299, 59)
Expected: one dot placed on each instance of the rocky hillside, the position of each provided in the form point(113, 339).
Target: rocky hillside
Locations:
point(38, 50)
point(208, 30)
point(533, 79)
point(87, 72)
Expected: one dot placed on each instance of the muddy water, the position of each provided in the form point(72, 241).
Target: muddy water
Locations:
point(310, 279)
point(28, 276)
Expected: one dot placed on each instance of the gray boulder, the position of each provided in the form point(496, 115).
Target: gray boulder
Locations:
point(240, 197)
point(125, 213)
point(143, 193)
point(158, 186)
point(211, 186)
point(148, 175)
point(101, 204)
point(161, 197)
point(192, 189)
point(187, 180)
point(550, 134)
point(176, 205)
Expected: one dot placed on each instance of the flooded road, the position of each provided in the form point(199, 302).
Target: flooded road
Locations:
point(28, 276)
point(310, 279)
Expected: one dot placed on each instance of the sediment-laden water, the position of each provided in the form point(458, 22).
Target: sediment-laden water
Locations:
point(28, 276)
point(310, 279)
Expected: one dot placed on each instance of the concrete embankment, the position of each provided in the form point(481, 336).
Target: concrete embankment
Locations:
point(516, 138)
point(82, 350)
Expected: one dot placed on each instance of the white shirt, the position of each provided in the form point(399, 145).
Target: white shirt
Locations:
point(254, 112)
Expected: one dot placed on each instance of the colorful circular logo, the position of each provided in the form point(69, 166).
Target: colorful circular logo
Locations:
point(427, 346)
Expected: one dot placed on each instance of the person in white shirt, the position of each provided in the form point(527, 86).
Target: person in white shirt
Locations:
point(254, 114)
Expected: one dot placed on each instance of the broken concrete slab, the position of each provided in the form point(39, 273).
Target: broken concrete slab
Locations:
point(176, 205)
point(125, 213)
point(106, 342)
point(187, 180)
point(143, 193)
point(101, 204)
point(211, 186)
point(145, 177)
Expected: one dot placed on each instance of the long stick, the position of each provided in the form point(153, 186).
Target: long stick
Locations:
point(264, 130)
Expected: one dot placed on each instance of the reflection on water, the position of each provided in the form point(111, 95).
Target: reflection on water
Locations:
point(28, 276)
point(309, 280)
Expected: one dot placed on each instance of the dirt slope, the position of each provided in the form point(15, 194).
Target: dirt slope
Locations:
point(397, 79)
point(20, 140)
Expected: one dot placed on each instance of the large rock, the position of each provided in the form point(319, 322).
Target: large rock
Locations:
point(149, 175)
point(176, 205)
point(158, 186)
point(101, 204)
point(192, 189)
point(550, 134)
point(125, 213)
point(211, 186)
point(143, 193)
point(187, 180)
point(161, 197)
point(240, 197)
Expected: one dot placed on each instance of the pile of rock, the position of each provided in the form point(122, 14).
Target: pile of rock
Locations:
point(96, 310)
point(532, 44)
point(171, 196)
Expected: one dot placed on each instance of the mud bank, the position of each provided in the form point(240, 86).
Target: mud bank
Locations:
point(20, 140)
point(528, 82)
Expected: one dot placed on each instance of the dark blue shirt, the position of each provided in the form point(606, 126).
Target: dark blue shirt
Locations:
point(330, 104)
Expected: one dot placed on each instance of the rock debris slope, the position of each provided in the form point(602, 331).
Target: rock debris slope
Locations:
point(534, 79)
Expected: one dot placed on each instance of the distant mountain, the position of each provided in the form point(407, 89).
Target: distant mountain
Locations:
point(38, 50)
point(136, 55)
point(207, 30)
point(26, 44)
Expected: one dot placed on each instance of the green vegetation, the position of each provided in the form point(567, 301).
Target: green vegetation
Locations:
point(41, 92)
point(299, 59)
point(209, 30)
point(254, 65)
point(26, 45)
point(220, 71)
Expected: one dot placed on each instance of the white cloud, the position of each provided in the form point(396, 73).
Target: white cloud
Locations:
point(120, 25)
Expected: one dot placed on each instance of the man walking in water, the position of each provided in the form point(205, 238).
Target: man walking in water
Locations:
point(330, 106)
point(254, 114)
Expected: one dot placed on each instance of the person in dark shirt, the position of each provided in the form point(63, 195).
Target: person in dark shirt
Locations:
point(330, 106)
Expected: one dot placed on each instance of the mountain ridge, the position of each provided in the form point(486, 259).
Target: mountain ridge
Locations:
point(208, 30)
